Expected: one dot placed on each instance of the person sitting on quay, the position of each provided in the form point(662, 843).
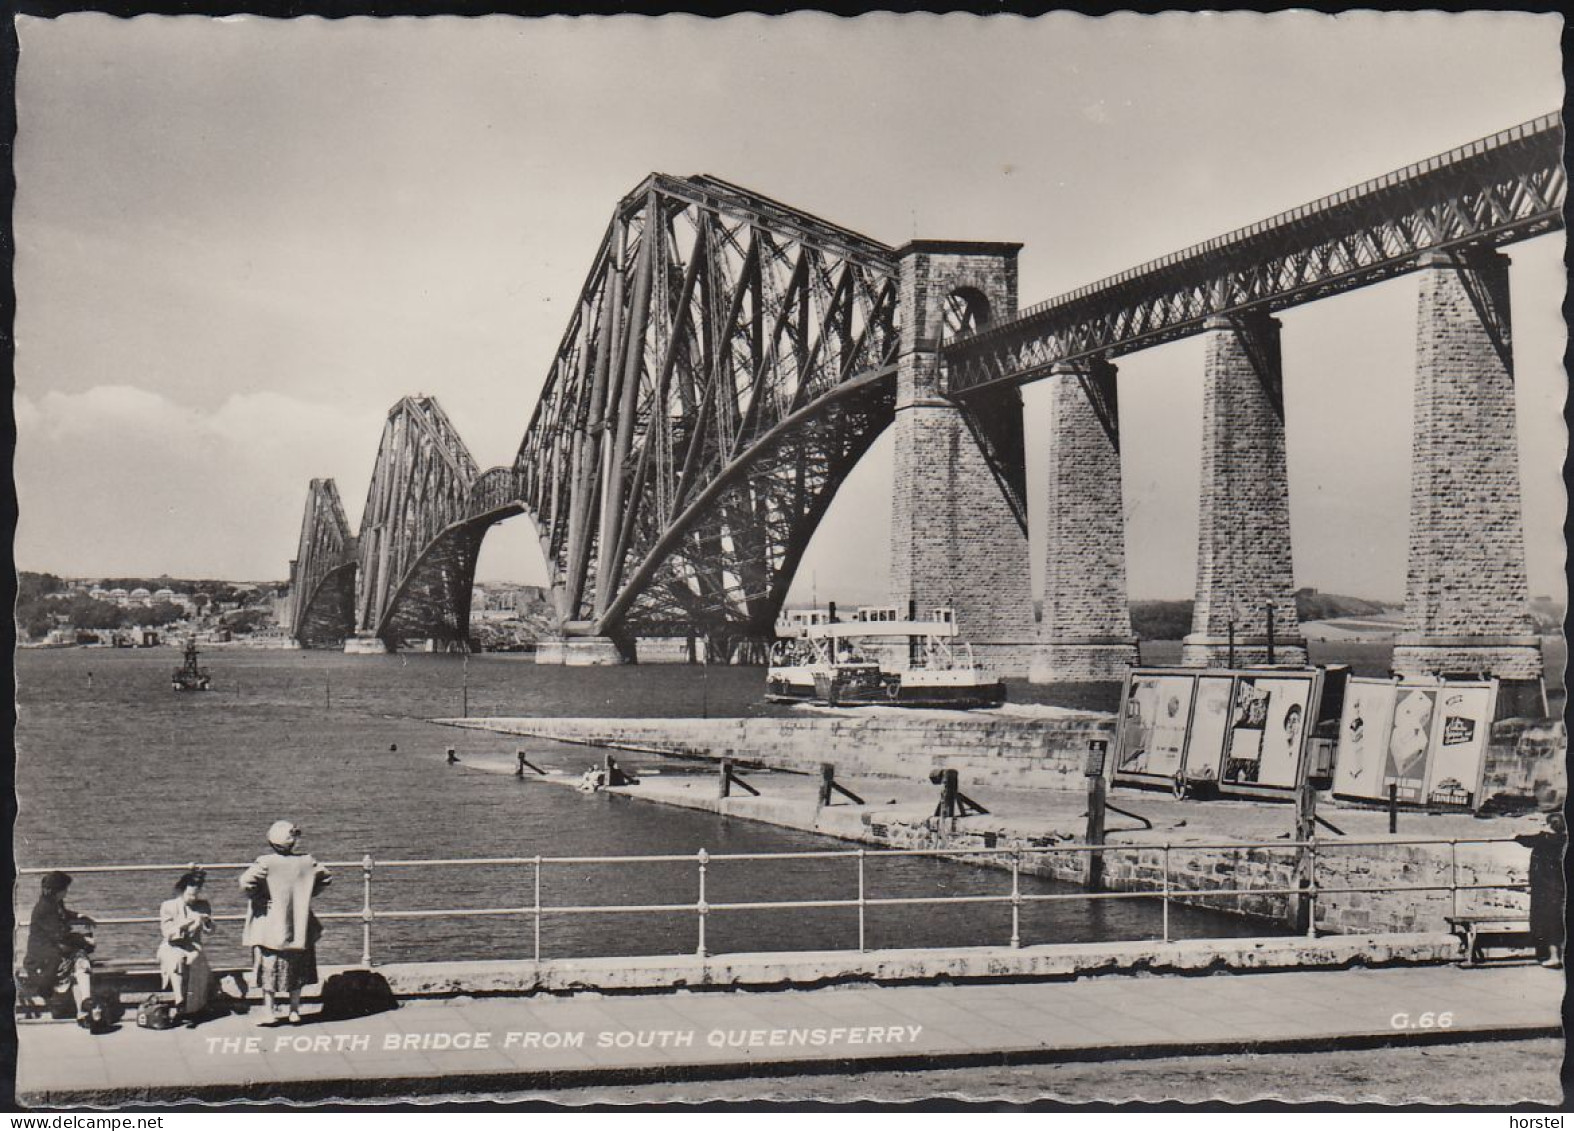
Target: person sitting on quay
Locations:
point(280, 927)
point(58, 944)
point(184, 922)
point(1546, 889)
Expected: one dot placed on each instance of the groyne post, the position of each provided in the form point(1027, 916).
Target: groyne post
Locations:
point(827, 781)
point(729, 777)
point(953, 802)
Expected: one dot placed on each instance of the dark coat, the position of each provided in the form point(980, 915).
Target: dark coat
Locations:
point(51, 943)
point(1546, 885)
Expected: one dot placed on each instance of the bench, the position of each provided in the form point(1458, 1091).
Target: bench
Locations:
point(1499, 932)
point(128, 980)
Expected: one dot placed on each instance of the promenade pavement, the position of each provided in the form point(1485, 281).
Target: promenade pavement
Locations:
point(472, 1046)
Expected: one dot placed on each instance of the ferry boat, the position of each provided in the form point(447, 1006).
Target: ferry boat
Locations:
point(821, 664)
point(189, 677)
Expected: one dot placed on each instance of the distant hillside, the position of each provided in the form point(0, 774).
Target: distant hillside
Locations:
point(1171, 620)
point(1312, 605)
point(1160, 620)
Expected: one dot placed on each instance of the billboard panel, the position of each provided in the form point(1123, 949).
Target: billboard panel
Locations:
point(1209, 723)
point(1409, 741)
point(1267, 739)
point(1459, 743)
point(1364, 727)
point(1158, 709)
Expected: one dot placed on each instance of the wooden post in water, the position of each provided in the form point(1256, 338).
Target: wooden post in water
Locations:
point(1098, 797)
point(1393, 807)
point(724, 782)
point(827, 781)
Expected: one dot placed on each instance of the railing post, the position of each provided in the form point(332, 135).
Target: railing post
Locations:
point(861, 946)
point(1311, 888)
point(1453, 873)
point(701, 908)
point(538, 909)
point(366, 910)
point(1016, 898)
point(1165, 859)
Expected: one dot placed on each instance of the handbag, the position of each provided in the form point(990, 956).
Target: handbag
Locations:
point(156, 1014)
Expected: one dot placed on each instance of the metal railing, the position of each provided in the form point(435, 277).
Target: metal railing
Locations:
point(1309, 853)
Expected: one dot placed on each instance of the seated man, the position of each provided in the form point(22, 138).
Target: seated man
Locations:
point(57, 955)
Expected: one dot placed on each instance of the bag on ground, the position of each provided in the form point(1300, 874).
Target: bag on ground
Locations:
point(356, 993)
point(156, 1014)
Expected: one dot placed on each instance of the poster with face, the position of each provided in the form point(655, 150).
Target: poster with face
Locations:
point(1408, 743)
point(1459, 740)
point(1157, 713)
point(1247, 721)
point(1210, 723)
point(1364, 728)
point(1284, 731)
point(1136, 724)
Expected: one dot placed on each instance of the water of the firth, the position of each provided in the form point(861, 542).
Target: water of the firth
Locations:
point(114, 767)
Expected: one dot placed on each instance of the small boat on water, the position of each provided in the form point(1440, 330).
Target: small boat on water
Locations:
point(822, 664)
point(190, 677)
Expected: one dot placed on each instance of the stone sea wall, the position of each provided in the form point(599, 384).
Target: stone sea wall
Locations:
point(1012, 752)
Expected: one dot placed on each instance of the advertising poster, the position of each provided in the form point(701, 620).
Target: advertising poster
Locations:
point(1247, 721)
point(1158, 710)
point(1459, 741)
point(1284, 731)
point(1408, 743)
point(1363, 738)
point(1210, 723)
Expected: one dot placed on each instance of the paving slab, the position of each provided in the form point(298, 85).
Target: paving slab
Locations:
point(562, 1042)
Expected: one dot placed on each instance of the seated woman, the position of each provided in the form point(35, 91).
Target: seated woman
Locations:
point(184, 922)
point(58, 945)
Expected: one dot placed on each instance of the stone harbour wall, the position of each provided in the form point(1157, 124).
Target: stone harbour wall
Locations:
point(1015, 752)
point(1259, 879)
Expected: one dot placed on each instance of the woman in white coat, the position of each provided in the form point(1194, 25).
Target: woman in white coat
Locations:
point(280, 927)
point(184, 922)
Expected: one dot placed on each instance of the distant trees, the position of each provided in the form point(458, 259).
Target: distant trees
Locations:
point(162, 613)
point(245, 621)
point(1161, 620)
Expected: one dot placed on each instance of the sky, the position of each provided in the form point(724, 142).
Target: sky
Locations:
point(241, 241)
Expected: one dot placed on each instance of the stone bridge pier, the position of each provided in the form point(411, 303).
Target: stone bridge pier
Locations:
point(1467, 609)
point(958, 535)
point(1244, 570)
point(1085, 632)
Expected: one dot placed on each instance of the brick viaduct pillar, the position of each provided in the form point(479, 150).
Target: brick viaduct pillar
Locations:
point(1085, 633)
point(955, 539)
point(1243, 532)
point(1466, 595)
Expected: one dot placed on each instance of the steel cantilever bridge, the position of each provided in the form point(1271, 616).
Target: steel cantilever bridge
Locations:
point(730, 359)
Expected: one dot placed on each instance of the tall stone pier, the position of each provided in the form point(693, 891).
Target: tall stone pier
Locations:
point(1467, 606)
point(955, 538)
point(1085, 633)
point(1244, 566)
